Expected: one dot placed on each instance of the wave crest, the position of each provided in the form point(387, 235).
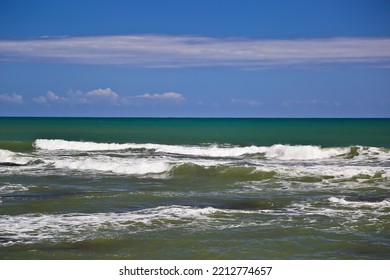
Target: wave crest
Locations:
point(8, 158)
point(278, 151)
point(307, 152)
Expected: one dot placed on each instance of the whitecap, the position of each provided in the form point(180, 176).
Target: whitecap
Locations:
point(209, 151)
point(303, 152)
point(283, 152)
point(59, 144)
point(114, 165)
point(10, 157)
point(353, 203)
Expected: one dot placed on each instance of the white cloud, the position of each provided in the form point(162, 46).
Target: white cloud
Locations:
point(106, 95)
point(163, 96)
point(78, 97)
point(191, 51)
point(249, 102)
point(11, 98)
point(40, 100)
point(50, 97)
point(315, 102)
point(152, 98)
point(102, 95)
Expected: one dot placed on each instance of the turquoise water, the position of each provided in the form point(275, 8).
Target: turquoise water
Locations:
point(324, 132)
point(108, 188)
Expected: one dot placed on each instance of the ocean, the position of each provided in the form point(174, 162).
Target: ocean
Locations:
point(188, 188)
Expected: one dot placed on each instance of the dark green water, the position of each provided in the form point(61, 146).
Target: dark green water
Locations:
point(263, 132)
point(95, 188)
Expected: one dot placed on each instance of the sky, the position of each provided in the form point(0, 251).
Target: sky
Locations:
point(203, 58)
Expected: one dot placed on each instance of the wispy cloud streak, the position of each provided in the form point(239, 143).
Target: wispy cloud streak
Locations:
point(189, 51)
point(99, 96)
point(11, 98)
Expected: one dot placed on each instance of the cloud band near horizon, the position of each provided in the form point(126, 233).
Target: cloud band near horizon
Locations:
point(189, 51)
point(102, 96)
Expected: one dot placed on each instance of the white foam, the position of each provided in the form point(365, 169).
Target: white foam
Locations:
point(283, 152)
point(301, 152)
point(209, 151)
point(328, 160)
point(373, 153)
point(58, 144)
point(12, 157)
point(6, 156)
point(115, 165)
point(376, 204)
point(348, 171)
point(333, 170)
point(31, 228)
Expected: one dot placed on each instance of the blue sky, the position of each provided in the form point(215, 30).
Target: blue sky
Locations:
point(199, 58)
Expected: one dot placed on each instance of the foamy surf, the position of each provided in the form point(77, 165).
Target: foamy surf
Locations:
point(332, 172)
point(282, 152)
point(209, 151)
point(10, 158)
point(358, 203)
point(59, 144)
point(149, 159)
point(331, 163)
point(303, 152)
point(114, 165)
point(32, 228)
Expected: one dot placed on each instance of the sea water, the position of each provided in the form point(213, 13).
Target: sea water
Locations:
point(136, 188)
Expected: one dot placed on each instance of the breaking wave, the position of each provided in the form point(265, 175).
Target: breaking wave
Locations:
point(287, 152)
point(118, 166)
point(278, 151)
point(8, 158)
point(250, 163)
